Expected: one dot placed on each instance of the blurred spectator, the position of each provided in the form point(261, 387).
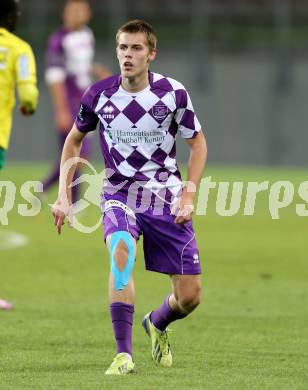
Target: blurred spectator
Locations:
point(17, 67)
point(70, 70)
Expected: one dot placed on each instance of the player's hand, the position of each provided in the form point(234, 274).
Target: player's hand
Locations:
point(64, 121)
point(60, 211)
point(26, 110)
point(183, 208)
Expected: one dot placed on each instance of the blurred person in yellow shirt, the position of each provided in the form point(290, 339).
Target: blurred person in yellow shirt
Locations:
point(17, 69)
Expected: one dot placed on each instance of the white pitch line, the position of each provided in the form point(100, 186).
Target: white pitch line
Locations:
point(12, 240)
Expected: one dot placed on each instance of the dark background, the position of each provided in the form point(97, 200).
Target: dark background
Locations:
point(244, 62)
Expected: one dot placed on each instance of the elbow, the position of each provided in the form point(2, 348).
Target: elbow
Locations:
point(201, 145)
point(74, 141)
point(205, 149)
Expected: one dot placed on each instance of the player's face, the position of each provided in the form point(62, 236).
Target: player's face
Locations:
point(76, 15)
point(133, 54)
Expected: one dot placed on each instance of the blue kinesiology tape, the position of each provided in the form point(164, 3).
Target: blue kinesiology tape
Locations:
point(121, 278)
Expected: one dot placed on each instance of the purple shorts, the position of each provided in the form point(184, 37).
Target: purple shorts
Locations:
point(168, 247)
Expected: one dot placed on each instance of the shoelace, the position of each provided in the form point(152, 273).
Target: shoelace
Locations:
point(116, 359)
point(165, 341)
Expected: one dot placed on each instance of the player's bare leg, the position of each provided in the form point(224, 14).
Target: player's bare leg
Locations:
point(121, 299)
point(186, 293)
point(126, 296)
point(183, 300)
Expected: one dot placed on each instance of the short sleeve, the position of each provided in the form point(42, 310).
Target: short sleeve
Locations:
point(86, 119)
point(26, 81)
point(55, 60)
point(185, 117)
point(25, 65)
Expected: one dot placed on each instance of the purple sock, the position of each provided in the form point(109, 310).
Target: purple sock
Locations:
point(52, 179)
point(122, 321)
point(162, 316)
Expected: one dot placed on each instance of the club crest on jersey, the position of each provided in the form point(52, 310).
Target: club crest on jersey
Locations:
point(160, 111)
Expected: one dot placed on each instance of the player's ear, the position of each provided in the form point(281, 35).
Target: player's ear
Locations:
point(152, 55)
point(117, 52)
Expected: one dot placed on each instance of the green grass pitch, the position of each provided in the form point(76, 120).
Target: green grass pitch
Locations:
point(250, 332)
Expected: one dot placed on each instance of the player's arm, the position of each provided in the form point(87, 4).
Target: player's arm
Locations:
point(196, 165)
point(85, 122)
point(197, 160)
point(27, 90)
point(69, 161)
point(190, 129)
point(63, 116)
point(100, 71)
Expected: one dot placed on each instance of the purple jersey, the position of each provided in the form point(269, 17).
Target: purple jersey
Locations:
point(70, 56)
point(138, 130)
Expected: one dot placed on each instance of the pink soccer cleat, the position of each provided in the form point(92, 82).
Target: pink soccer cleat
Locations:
point(5, 305)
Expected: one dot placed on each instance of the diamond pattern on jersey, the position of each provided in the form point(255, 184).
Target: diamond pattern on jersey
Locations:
point(168, 143)
point(164, 84)
point(134, 111)
point(159, 155)
point(149, 102)
point(149, 169)
point(125, 149)
point(170, 164)
point(136, 159)
point(126, 169)
point(101, 102)
point(117, 157)
point(148, 151)
point(188, 120)
point(108, 112)
point(139, 131)
point(147, 123)
point(117, 122)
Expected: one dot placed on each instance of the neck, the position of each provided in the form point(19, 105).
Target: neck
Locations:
point(136, 83)
point(73, 28)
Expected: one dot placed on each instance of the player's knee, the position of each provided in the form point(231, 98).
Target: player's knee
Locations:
point(189, 301)
point(121, 255)
point(188, 304)
point(122, 258)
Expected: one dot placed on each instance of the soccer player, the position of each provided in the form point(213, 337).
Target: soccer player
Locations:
point(139, 114)
point(70, 69)
point(17, 68)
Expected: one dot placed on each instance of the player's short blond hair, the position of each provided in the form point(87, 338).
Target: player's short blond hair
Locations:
point(138, 25)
